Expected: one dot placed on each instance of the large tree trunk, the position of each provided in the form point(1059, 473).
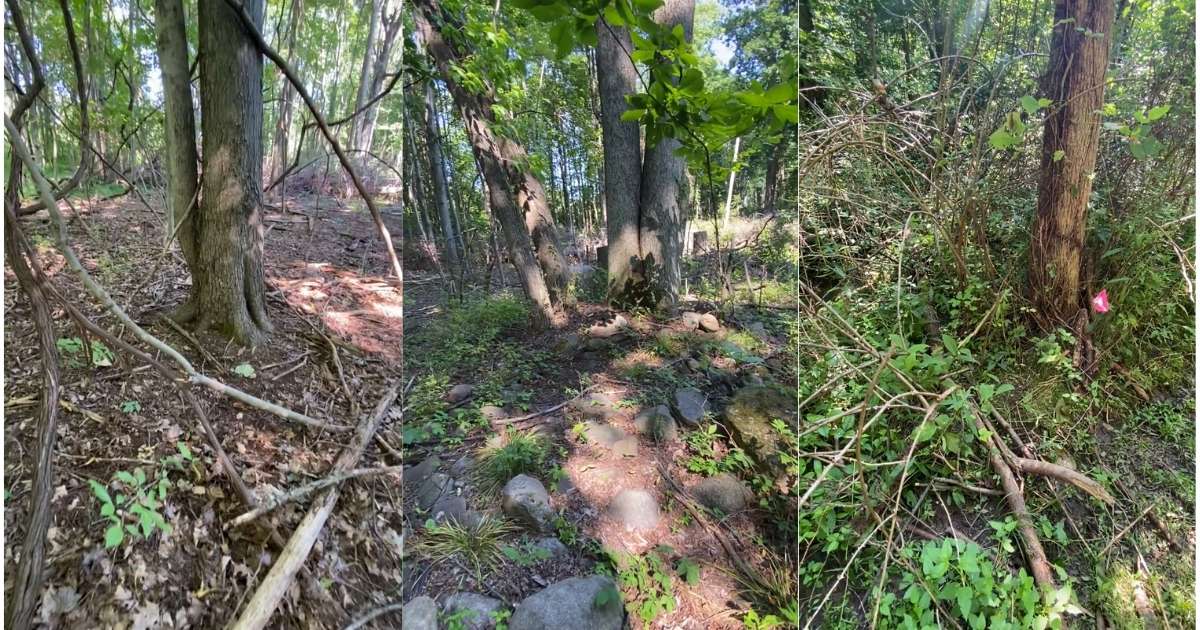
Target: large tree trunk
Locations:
point(656, 275)
point(287, 95)
point(514, 192)
point(617, 78)
point(228, 291)
point(1074, 80)
point(366, 125)
point(180, 126)
point(441, 191)
point(364, 75)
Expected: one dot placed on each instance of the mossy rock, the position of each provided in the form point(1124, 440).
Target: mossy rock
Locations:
point(749, 417)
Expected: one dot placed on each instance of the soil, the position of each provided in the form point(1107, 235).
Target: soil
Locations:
point(336, 348)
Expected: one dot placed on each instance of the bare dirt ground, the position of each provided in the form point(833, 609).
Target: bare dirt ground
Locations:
point(336, 347)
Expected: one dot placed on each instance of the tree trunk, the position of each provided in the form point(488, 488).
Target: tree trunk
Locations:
point(737, 144)
point(656, 275)
point(617, 79)
point(1074, 80)
point(180, 125)
point(366, 130)
point(771, 181)
point(515, 194)
point(441, 191)
point(364, 75)
point(287, 95)
point(228, 290)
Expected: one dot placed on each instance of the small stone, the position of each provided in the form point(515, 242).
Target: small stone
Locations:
point(724, 493)
point(709, 323)
point(690, 405)
point(551, 544)
point(452, 509)
point(690, 319)
point(492, 413)
point(417, 474)
point(570, 343)
point(595, 404)
point(480, 610)
point(461, 467)
point(626, 447)
point(635, 509)
point(459, 393)
point(658, 423)
point(525, 500)
point(758, 331)
point(693, 365)
point(434, 488)
point(602, 433)
point(571, 604)
point(420, 613)
point(613, 328)
point(539, 580)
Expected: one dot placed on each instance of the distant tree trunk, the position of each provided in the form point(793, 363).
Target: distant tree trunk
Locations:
point(180, 125)
point(617, 79)
point(664, 201)
point(508, 187)
point(364, 75)
point(228, 290)
point(1074, 80)
point(441, 190)
point(771, 181)
point(737, 144)
point(365, 123)
point(287, 95)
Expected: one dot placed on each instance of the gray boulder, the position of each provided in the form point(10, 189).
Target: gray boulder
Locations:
point(416, 474)
point(635, 509)
point(571, 605)
point(459, 393)
point(453, 509)
point(749, 418)
point(724, 493)
point(690, 405)
point(690, 319)
point(472, 610)
point(610, 437)
point(462, 466)
point(551, 544)
point(420, 613)
point(436, 486)
point(492, 413)
point(657, 423)
point(596, 405)
point(525, 500)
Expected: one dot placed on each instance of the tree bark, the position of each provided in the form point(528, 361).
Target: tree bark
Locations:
point(287, 94)
point(364, 75)
point(228, 289)
point(516, 196)
point(617, 78)
point(664, 201)
point(737, 144)
point(441, 191)
point(1074, 80)
point(180, 123)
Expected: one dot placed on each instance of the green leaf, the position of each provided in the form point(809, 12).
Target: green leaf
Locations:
point(1058, 155)
point(131, 406)
point(1001, 139)
point(632, 115)
point(1030, 104)
point(1157, 112)
point(101, 355)
point(244, 370)
point(648, 6)
point(100, 490)
point(107, 509)
point(607, 594)
point(124, 477)
point(964, 597)
point(113, 535)
point(563, 36)
point(184, 451)
point(689, 570)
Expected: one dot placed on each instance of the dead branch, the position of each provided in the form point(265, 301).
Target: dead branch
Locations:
point(1062, 473)
point(1121, 534)
point(63, 242)
point(307, 489)
point(266, 49)
point(273, 587)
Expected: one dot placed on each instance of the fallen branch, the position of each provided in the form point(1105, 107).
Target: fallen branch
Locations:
point(538, 414)
point(266, 49)
point(374, 614)
point(273, 587)
point(1121, 534)
point(1062, 473)
point(305, 490)
point(64, 246)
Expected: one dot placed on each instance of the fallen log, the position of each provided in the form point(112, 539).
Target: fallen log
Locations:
point(273, 587)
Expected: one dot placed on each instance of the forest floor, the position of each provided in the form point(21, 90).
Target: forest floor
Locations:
point(336, 347)
point(644, 507)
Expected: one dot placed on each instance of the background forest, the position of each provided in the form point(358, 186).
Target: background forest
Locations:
point(996, 365)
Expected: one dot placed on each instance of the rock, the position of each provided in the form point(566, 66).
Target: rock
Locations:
point(552, 545)
point(459, 393)
point(461, 467)
point(709, 323)
point(724, 493)
point(571, 604)
point(749, 417)
point(690, 319)
point(435, 487)
point(657, 423)
point(525, 500)
point(607, 436)
point(596, 405)
point(626, 447)
point(635, 509)
point(420, 613)
point(690, 405)
point(693, 365)
point(492, 413)
point(758, 331)
point(570, 343)
point(613, 328)
point(472, 610)
point(453, 509)
point(416, 475)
